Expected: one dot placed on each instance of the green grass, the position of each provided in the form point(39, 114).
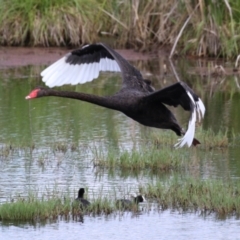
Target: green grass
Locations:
point(207, 196)
point(212, 28)
point(155, 153)
point(146, 157)
point(32, 208)
point(158, 154)
point(36, 207)
point(218, 197)
point(47, 23)
point(208, 138)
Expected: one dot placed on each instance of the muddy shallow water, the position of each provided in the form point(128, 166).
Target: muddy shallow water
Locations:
point(16, 57)
point(48, 121)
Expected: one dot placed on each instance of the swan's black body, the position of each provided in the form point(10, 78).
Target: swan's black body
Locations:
point(81, 199)
point(137, 98)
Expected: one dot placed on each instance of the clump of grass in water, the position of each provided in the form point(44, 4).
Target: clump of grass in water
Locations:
point(31, 208)
point(210, 196)
point(163, 138)
point(149, 157)
point(35, 209)
point(101, 205)
point(188, 194)
point(8, 149)
point(60, 147)
point(64, 146)
point(208, 138)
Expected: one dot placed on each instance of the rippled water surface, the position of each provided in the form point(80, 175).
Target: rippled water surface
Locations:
point(163, 225)
point(36, 129)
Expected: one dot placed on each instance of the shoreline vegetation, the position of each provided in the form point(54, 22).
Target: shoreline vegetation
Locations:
point(184, 195)
point(199, 28)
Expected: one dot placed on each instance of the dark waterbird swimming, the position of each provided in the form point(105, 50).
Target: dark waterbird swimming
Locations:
point(81, 198)
point(137, 98)
point(125, 203)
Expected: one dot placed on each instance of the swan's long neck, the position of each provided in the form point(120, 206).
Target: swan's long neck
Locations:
point(108, 102)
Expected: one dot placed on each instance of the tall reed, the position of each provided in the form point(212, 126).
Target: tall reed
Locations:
point(47, 23)
point(202, 28)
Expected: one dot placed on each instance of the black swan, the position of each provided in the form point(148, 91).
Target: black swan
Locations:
point(81, 199)
point(137, 98)
point(125, 203)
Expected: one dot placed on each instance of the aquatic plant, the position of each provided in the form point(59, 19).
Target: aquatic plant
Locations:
point(146, 157)
point(210, 196)
point(209, 138)
point(34, 209)
point(60, 147)
point(101, 205)
point(207, 196)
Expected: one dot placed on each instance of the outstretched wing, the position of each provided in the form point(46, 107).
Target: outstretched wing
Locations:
point(84, 64)
point(181, 94)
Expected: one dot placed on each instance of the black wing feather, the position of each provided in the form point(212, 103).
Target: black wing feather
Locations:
point(88, 54)
point(93, 53)
point(174, 95)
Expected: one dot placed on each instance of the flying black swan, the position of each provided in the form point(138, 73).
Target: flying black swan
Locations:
point(81, 199)
point(125, 203)
point(137, 98)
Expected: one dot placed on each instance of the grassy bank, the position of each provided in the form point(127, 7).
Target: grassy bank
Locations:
point(202, 28)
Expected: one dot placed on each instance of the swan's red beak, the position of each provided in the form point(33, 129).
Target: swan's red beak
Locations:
point(32, 94)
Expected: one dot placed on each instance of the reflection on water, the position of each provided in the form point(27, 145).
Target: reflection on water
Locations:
point(36, 128)
point(153, 225)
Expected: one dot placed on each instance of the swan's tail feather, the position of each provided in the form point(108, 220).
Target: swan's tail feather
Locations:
point(198, 111)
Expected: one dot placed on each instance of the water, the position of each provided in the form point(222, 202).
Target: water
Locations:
point(48, 122)
point(153, 225)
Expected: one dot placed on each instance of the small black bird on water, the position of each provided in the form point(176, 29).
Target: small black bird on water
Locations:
point(125, 203)
point(81, 199)
point(137, 98)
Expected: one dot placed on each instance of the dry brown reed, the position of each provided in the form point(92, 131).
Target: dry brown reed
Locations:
point(202, 28)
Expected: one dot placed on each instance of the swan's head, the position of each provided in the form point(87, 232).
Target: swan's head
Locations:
point(36, 93)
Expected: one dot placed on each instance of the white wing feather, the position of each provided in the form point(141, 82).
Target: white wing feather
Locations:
point(61, 72)
point(198, 112)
